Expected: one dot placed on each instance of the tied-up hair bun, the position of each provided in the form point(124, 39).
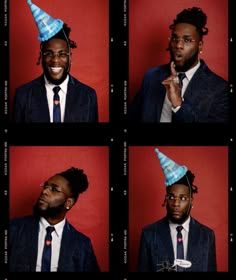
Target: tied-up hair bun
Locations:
point(194, 16)
point(77, 179)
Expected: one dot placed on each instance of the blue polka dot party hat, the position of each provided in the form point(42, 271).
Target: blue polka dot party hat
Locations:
point(172, 171)
point(47, 25)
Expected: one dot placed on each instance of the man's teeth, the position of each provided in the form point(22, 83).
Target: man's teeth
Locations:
point(55, 69)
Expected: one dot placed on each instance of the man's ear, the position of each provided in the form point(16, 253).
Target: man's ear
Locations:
point(69, 203)
point(200, 46)
point(164, 203)
point(191, 201)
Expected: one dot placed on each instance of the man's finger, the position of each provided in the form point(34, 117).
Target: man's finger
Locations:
point(172, 68)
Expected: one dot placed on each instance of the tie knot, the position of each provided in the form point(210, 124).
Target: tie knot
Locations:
point(179, 228)
point(56, 89)
point(181, 76)
point(56, 97)
point(50, 229)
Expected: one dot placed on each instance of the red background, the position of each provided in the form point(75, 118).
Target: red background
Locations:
point(89, 24)
point(32, 165)
point(149, 31)
point(147, 191)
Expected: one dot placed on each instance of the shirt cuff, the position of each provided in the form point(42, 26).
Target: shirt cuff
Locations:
point(176, 109)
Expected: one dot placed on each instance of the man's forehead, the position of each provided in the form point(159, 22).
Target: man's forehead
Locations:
point(177, 188)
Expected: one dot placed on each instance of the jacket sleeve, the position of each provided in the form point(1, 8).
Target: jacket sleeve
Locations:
point(143, 257)
point(212, 265)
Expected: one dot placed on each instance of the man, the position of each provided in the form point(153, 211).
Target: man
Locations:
point(199, 96)
point(71, 250)
point(162, 247)
point(37, 100)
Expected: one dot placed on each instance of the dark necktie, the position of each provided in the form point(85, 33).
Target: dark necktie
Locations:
point(180, 248)
point(46, 258)
point(56, 105)
point(181, 76)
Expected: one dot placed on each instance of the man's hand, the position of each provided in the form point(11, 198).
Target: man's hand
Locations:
point(172, 87)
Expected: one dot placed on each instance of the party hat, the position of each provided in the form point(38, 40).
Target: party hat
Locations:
point(47, 25)
point(172, 171)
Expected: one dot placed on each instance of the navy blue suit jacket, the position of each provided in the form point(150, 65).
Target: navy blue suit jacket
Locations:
point(206, 99)
point(30, 102)
point(76, 253)
point(156, 247)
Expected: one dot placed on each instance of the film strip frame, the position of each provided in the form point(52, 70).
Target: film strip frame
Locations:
point(118, 135)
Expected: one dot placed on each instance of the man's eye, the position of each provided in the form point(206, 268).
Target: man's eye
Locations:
point(187, 40)
point(63, 54)
point(48, 54)
point(59, 54)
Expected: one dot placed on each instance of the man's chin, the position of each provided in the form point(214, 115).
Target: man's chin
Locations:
point(56, 81)
point(47, 212)
point(39, 210)
point(179, 220)
point(180, 67)
point(175, 221)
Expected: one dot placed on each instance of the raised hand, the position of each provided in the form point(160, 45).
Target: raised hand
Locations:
point(171, 84)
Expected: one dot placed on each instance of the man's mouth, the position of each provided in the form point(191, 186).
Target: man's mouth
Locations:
point(55, 70)
point(178, 56)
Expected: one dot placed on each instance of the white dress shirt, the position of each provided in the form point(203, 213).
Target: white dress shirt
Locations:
point(62, 94)
point(184, 232)
point(56, 243)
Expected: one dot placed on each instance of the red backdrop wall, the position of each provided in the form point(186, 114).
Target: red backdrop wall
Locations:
point(32, 165)
point(89, 24)
point(149, 31)
point(147, 191)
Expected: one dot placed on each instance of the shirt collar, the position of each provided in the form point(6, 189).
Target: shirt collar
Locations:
point(58, 227)
point(185, 224)
point(189, 74)
point(63, 85)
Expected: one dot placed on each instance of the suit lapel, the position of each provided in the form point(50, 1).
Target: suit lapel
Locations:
point(72, 101)
point(197, 84)
point(69, 102)
point(39, 103)
point(67, 248)
point(193, 242)
point(165, 250)
point(31, 236)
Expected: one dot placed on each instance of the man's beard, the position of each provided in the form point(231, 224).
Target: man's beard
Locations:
point(179, 221)
point(53, 81)
point(52, 212)
point(182, 219)
point(188, 63)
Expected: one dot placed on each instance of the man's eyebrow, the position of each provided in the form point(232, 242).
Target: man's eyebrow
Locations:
point(54, 185)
